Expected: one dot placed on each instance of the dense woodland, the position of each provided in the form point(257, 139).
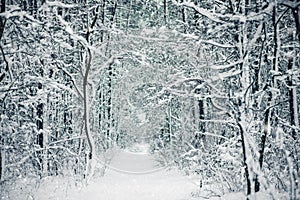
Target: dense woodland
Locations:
point(212, 85)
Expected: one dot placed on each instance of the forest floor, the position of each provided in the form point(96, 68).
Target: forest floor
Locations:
point(133, 175)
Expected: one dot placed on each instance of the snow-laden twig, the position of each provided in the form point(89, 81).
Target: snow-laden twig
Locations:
point(212, 134)
point(60, 4)
point(217, 44)
point(200, 10)
point(230, 73)
point(218, 67)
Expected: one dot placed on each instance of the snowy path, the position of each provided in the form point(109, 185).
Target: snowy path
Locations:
point(133, 175)
point(128, 179)
point(135, 183)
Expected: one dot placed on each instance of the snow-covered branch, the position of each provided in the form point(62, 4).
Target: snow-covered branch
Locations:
point(60, 4)
point(200, 10)
point(218, 67)
point(211, 42)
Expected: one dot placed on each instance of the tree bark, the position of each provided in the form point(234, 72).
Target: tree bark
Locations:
point(266, 126)
point(2, 163)
point(2, 18)
point(165, 12)
point(246, 168)
point(102, 19)
point(293, 104)
point(184, 19)
point(267, 122)
point(297, 21)
point(86, 105)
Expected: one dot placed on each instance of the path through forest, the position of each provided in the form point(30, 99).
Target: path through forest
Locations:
point(133, 175)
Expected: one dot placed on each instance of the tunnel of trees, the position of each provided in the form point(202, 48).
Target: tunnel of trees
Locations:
point(216, 83)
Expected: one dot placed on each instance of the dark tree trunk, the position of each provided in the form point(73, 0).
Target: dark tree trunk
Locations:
point(262, 145)
point(247, 175)
point(292, 101)
point(109, 102)
point(2, 18)
point(201, 117)
point(297, 21)
point(267, 113)
point(40, 127)
point(184, 19)
point(165, 11)
point(1, 158)
point(102, 19)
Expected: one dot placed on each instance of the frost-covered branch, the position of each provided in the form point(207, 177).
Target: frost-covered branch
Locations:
point(211, 42)
point(218, 67)
point(200, 10)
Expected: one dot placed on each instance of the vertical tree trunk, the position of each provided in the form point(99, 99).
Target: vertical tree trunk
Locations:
point(128, 16)
point(245, 165)
point(184, 19)
point(102, 19)
point(293, 104)
point(296, 14)
point(109, 84)
point(266, 127)
point(2, 162)
point(267, 122)
point(2, 18)
point(86, 116)
point(2, 26)
point(2, 154)
point(86, 107)
point(201, 124)
point(294, 117)
point(165, 12)
point(109, 105)
point(40, 128)
point(39, 122)
point(91, 157)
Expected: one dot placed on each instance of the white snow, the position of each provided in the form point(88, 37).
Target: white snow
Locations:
point(138, 177)
point(133, 175)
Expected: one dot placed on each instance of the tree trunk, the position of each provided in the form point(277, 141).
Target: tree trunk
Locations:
point(102, 19)
point(109, 106)
point(267, 122)
point(247, 174)
point(128, 16)
point(2, 163)
point(2, 18)
point(293, 104)
point(295, 12)
point(201, 122)
point(294, 117)
point(2, 158)
point(39, 122)
point(266, 127)
point(86, 107)
point(165, 12)
point(184, 19)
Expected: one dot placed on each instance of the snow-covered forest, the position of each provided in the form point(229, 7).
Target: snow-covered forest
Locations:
point(206, 91)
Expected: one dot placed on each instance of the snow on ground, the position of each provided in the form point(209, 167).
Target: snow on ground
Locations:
point(133, 175)
point(115, 186)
